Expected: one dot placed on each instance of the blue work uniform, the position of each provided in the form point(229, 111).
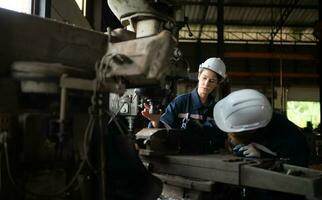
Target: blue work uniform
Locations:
point(285, 139)
point(187, 112)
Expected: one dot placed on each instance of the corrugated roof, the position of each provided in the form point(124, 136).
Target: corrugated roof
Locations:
point(242, 16)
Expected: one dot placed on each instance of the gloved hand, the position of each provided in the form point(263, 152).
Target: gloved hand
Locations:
point(236, 150)
point(250, 151)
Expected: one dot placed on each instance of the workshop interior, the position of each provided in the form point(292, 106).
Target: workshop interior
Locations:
point(76, 74)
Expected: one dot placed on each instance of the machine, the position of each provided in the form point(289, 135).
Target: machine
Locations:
point(59, 139)
point(64, 91)
point(172, 157)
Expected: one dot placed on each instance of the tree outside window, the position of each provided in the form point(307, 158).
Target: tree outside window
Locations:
point(300, 112)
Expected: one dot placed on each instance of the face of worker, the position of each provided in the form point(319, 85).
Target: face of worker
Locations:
point(208, 81)
point(245, 137)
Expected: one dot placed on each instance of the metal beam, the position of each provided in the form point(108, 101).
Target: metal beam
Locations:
point(220, 28)
point(320, 57)
point(284, 15)
point(253, 36)
point(251, 5)
point(270, 55)
point(241, 172)
point(252, 23)
point(273, 74)
point(204, 15)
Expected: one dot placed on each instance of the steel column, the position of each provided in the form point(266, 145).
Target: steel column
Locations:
point(320, 58)
point(220, 28)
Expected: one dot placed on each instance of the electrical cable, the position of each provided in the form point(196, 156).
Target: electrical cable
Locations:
point(57, 193)
point(87, 139)
point(63, 190)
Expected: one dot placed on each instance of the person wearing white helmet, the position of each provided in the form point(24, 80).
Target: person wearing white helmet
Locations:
point(256, 131)
point(193, 111)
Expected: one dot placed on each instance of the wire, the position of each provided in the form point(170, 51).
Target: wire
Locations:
point(112, 115)
point(87, 140)
point(119, 126)
point(58, 193)
point(18, 187)
point(86, 143)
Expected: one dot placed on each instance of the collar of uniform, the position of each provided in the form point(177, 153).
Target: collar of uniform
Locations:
point(196, 102)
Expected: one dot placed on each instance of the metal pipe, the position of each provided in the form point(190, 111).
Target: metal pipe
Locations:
point(220, 28)
point(320, 57)
point(62, 113)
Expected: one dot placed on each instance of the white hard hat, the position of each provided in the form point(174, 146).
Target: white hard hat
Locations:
point(242, 110)
point(215, 65)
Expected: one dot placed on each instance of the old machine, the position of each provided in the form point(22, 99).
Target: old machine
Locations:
point(66, 91)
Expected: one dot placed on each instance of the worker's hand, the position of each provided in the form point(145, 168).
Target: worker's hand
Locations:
point(236, 150)
point(154, 118)
point(250, 151)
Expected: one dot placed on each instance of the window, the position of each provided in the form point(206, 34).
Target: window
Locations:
point(17, 5)
point(300, 112)
point(82, 6)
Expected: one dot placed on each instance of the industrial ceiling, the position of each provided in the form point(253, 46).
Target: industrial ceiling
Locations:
point(290, 21)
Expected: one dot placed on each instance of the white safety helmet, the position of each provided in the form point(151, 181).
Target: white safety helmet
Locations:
point(242, 110)
point(215, 65)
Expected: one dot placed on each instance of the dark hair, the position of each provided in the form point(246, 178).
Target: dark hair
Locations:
point(219, 78)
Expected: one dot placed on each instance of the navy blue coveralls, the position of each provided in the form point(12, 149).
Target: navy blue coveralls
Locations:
point(285, 139)
point(187, 112)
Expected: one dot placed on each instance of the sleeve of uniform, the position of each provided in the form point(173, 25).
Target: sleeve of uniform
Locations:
point(169, 117)
point(151, 126)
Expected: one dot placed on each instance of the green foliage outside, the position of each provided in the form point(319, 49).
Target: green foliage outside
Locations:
point(299, 112)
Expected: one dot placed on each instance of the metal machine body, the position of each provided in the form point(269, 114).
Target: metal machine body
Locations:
point(200, 172)
point(240, 172)
point(138, 62)
point(110, 63)
point(142, 55)
point(145, 17)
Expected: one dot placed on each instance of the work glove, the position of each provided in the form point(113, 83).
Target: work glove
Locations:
point(250, 151)
point(236, 150)
point(253, 150)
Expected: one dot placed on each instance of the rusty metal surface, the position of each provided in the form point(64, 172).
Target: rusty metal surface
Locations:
point(292, 179)
point(216, 167)
point(141, 61)
point(182, 182)
point(244, 172)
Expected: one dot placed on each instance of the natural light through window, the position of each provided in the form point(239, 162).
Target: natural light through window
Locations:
point(23, 6)
point(300, 112)
point(82, 5)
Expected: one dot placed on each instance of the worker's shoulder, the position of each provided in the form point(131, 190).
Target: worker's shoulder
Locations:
point(182, 97)
point(279, 118)
point(281, 122)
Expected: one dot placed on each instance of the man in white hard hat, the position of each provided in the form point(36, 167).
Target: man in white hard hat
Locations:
point(255, 131)
point(193, 111)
